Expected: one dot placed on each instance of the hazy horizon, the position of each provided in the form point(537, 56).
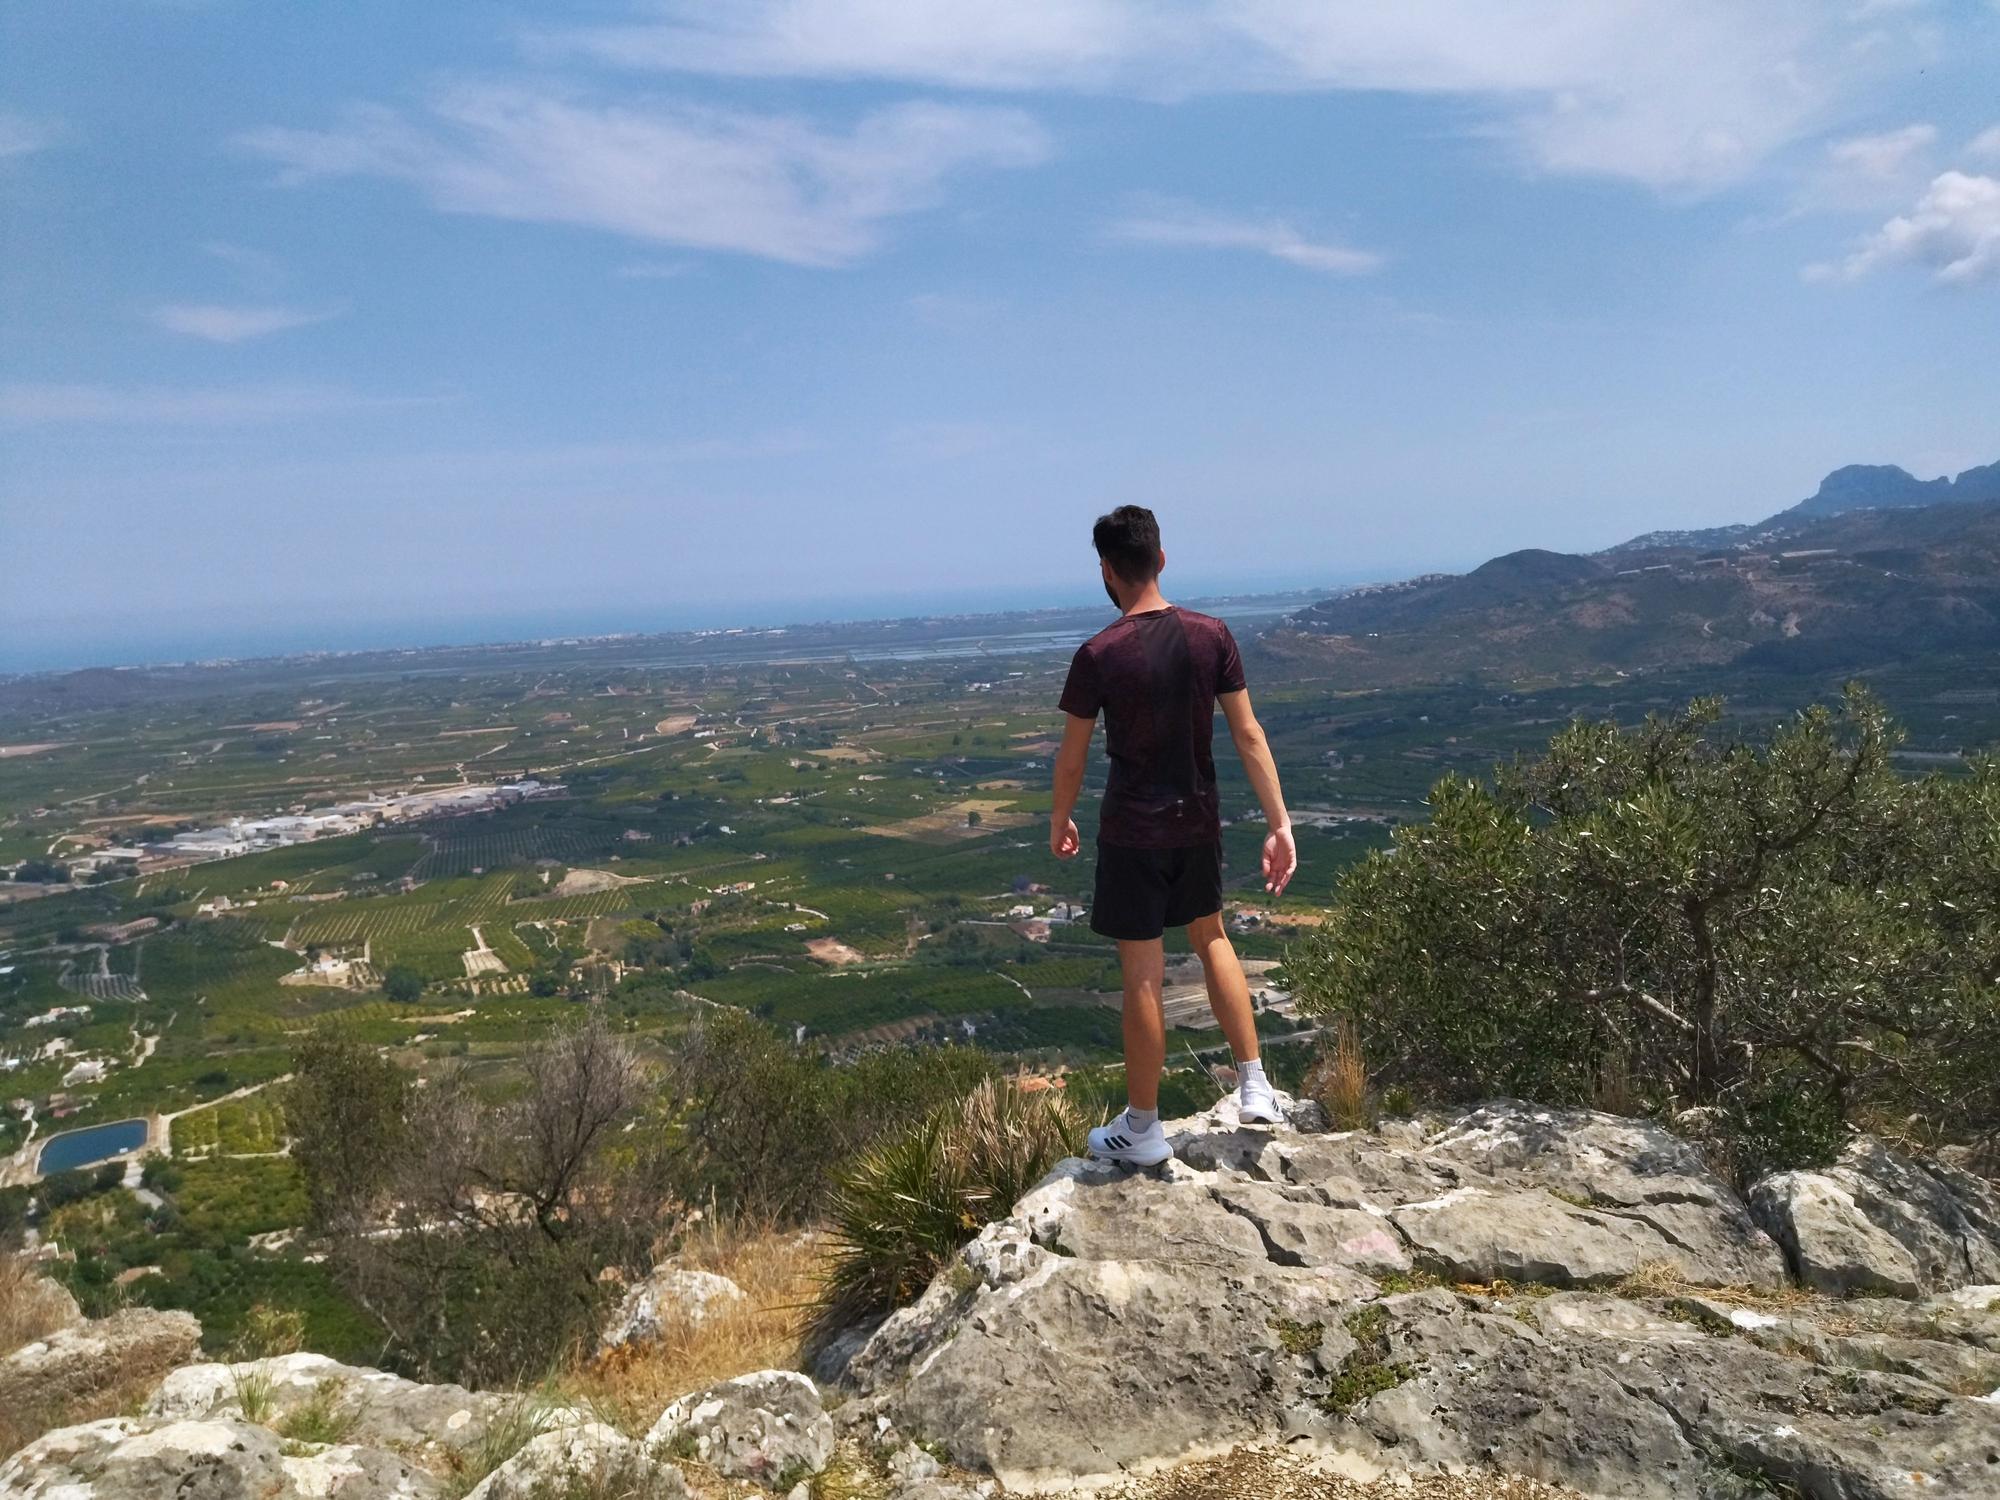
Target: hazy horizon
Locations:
point(63, 649)
point(325, 323)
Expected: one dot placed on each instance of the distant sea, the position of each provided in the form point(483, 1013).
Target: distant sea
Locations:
point(37, 646)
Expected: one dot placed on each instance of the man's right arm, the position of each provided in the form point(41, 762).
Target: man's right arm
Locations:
point(1064, 840)
point(1281, 854)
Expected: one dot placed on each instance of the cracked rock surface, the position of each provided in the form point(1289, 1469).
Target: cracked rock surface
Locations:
point(1558, 1294)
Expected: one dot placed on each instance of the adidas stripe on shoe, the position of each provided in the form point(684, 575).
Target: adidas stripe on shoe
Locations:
point(1121, 1141)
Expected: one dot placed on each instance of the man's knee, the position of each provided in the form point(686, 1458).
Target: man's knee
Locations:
point(1205, 930)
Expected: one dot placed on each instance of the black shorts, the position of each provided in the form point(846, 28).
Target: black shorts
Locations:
point(1143, 892)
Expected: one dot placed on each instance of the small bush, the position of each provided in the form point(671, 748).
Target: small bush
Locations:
point(765, 1126)
point(1339, 1078)
point(256, 1392)
point(269, 1332)
point(905, 1206)
point(327, 1417)
point(1785, 932)
point(512, 1428)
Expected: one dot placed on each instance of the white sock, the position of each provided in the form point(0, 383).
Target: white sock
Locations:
point(1142, 1119)
point(1251, 1072)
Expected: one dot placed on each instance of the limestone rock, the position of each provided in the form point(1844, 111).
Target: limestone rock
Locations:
point(1880, 1221)
point(372, 1407)
point(587, 1451)
point(1120, 1321)
point(1174, 1321)
point(672, 1297)
point(117, 1460)
point(86, 1358)
point(223, 1458)
point(760, 1426)
point(1474, 1234)
point(1642, 1186)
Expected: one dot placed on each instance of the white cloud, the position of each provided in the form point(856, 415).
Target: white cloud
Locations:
point(1985, 146)
point(766, 185)
point(32, 404)
point(1954, 230)
point(1678, 94)
point(1885, 157)
point(19, 135)
point(1183, 226)
point(1866, 173)
point(231, 325)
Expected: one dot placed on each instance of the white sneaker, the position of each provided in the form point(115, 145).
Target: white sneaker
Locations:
point(1122, 1141)
point(1256, 1104)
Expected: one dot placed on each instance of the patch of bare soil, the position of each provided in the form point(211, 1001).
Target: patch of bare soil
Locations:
point(949, 823)
point(589, 882)
point(675, 724)
point(833, 951)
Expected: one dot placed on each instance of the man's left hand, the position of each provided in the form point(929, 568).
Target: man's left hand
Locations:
point(1064, 840)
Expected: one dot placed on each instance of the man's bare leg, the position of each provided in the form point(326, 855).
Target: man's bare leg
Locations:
point(1144, 967)
point(1228, 990)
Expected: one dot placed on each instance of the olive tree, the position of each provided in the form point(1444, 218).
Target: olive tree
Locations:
point(481, 1225)
point(1789, 933)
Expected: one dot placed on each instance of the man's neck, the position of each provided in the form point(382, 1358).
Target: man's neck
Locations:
point(1148, 601)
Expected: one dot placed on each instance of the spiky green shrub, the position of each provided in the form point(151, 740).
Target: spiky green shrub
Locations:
point(906, 1205)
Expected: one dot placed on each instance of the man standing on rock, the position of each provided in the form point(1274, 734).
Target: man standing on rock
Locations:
point(1157, 673)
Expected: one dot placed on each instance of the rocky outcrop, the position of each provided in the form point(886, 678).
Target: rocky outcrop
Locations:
point(80, 1361)
point(590, 1458)
point(223, 1458)
point(1878, 1220)
point(672, 1298)
point(769, 1427)
point(309, 1392)
point(1562, 1295)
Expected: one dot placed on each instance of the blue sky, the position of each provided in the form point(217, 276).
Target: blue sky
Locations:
point(341, 324)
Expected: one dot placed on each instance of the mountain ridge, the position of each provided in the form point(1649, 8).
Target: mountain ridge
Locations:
point(1871, 568)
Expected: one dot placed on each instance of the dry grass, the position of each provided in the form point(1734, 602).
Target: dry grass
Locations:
point(1613, 1092)
point(1268, 1474)
point(31, 1308)
point(778, 1274)
point(1662, 1278)
point(1339, 1079)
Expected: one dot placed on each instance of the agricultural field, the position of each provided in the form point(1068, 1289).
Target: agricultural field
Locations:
point(842, 834)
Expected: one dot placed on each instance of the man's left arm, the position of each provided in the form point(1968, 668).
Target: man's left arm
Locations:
point(1064, 840)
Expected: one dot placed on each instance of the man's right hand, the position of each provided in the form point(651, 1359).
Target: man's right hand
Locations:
point(1281, 860)
point(1064, 840)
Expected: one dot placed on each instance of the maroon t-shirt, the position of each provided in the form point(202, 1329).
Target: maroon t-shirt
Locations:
point(1155, 676)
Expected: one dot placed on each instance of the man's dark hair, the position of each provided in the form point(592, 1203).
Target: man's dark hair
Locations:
point(1129, 539)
